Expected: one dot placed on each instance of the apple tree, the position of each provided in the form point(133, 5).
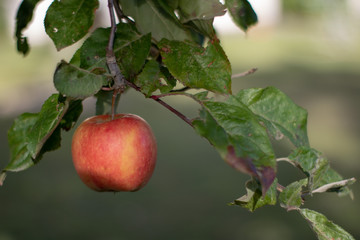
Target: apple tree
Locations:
point(162, 48)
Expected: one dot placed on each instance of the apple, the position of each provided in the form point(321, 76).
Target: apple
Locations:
point(114, 154)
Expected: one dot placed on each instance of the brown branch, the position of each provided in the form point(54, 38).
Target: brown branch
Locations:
point(119, 79)
point(157, 99)
point(243, 74)
point(176, 112)
point(181, 89)
point(280, 187)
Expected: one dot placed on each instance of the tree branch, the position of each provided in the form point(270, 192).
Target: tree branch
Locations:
point(243, 74)
point(157, 99)
point(119, 79)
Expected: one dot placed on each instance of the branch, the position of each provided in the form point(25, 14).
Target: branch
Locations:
point(181, 89)
point(279, 187)
point(176, 112)
point(157, 99)
point(243, 74)
point(119, 79)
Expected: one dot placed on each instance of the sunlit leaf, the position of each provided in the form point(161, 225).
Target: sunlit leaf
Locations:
point(66, 22)
point(33, 134)
point(198, 67)
point(48, 119)
point(324, 228)
point(281, 116)
point(20, 157)
point(239, 138)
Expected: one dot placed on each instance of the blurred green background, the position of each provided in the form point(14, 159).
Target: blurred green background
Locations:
point(311, 52)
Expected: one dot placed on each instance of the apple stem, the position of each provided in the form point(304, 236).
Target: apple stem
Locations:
point(113, 103)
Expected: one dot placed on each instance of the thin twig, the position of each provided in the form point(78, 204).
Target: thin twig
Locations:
point(157, 99)
point(243, 74)
point(280, 187)
point(166, 95)
point(176, 112)
point(181, 89)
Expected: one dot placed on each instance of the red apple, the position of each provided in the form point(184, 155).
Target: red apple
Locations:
point(114, 155)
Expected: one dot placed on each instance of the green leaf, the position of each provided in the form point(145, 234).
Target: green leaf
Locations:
point(150, 16)
point(23, 18)
point(242, 13)
point(202, 28)
point(49, 118)
point(253, 199)
point(77, 83)
point(131, 50)
point(76, 58)
point(198, 67)
point(20, 158)
point(169, 4)
point(33, 134)
point(131, 58)
point(281, 116)
point(238, 137)
point(72, 114)
point(318, 169)
point(152, 79)
point(290, 198)
point(104, 102)
point(203, 10)
point(324, 229)
point(66, 22)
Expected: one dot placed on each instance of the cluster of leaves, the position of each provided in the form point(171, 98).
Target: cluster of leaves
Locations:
point(160, 45)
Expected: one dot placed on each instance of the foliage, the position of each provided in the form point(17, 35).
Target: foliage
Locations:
point(163, 48)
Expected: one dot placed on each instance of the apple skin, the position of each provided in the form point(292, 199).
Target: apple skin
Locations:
point(114, 155)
